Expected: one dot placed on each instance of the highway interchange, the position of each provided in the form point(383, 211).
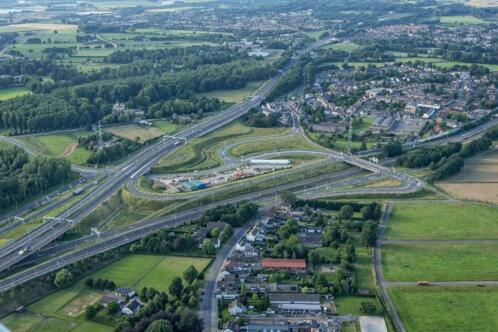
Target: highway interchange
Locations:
point(35, 246)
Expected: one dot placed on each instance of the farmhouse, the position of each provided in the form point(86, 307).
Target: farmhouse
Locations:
point(131, 307)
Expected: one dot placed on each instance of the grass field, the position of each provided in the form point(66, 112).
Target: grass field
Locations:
point(464, 19)
point(10, 93)
point(346, 47)
point(38, 26)
point(351, 305)
point(60, 145)
point(202, 153)
point(136, 133)
point(63, 310)
point(447, 308)
point(443, 221)
point(146, 270)
point(478, 180)
point(233, 96)
point(441, 262)
point(293, 142)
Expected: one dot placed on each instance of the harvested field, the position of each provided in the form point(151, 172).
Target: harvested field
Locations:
point(478, 180)
point(134, 132)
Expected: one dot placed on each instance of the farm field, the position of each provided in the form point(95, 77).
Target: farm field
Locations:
point(202, 153)
point(440, 262)
point(478, 180)
point(233, 96)
point(436, 220)
point(10, 93)
point(433, 308)
point(351, 305)
point(59, 145)
point(63, 310)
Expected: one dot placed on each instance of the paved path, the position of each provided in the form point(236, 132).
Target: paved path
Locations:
point(379, 276)
point(209, 304)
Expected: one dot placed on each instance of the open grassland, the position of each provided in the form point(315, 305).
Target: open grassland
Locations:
point(139, 271)
point(447, 308)
point(440, 262)
point(478, 180)
point(464, 19)
point(288, 142)
point(166, 127)
point(59, 145)
point(10, 93)
point(315, 34)
point(436, 220)
point(64, 310)
point(136, 133)
point(233, 96)
point(202, 153)
point(346, 305)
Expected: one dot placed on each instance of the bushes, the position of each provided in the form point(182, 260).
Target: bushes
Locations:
point(100, 284)
point(425, 156)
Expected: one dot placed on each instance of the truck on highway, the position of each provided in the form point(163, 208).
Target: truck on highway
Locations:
point(22, 251)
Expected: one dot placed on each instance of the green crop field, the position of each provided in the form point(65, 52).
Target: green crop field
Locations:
point(12, 93)
point(233, 96)
point(433, 308)
point(60, 145)
point(441, 262)
point(436, 220)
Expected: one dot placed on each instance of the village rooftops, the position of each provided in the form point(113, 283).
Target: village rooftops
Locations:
point(269, 263)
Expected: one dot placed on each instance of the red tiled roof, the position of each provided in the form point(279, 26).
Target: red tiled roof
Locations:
point(270, 263)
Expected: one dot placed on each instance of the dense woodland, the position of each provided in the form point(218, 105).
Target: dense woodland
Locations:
point(22, 178)
point(161, 83)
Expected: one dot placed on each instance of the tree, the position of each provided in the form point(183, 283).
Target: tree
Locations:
point(160, 325)
point(289, 198)
point(346, 212)
point(63, 278)
point(226, 233)
point(190, 274)
point(90, 312)
point(368, 307)
point(393, 149)
point(176, 287)
point(112, 308)
point(208, 247)
point(366, 212)
point(369, 234)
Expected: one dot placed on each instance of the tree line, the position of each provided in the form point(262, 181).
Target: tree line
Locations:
point(22, 178)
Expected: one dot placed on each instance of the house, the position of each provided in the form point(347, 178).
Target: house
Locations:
point(284, 264)
point(295, 303)
point(131, 307)
point(124, 292)
point(236, 308)
point(110, 297)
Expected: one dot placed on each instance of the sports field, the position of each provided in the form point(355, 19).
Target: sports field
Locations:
point(433, 308)
point(440, 262)
point(436, 220)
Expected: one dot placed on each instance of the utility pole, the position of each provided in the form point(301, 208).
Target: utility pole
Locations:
point(99, 134)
